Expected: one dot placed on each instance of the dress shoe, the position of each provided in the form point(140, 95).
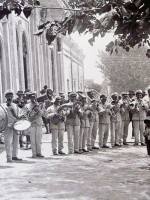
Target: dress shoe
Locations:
point(125, 143)
point(40, 156)
point(55, 153)
point(15, 158)
point(135, 144)
point(34, 156)
point(105, 146)
point(95, 147)
point(143, 144)
point(80, 150)
point(77, 152)
point(21, 146)
point(84, 150)
point(61, 153)
point(89, 149)
point(117, 145)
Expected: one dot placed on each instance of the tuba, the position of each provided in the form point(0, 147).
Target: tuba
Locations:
point(35, 112)
point(59, 116)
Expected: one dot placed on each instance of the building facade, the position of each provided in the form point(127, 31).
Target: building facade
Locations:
point(26, 61)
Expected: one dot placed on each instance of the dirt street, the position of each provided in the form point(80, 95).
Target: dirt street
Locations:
point(107, 174)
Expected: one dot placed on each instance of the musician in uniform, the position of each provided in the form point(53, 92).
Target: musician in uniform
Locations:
point(115, 120)
point(85, 125)
point(125, 117)
point(35, 113)
point(139, 114)
point(47, 99)
point(10, 135)
point(131, 99)
point(58, 127)
point(20, 101)
point(93, 119)
point(104, 122)
point(73, 125)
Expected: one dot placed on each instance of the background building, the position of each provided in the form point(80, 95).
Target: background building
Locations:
point(26, 61)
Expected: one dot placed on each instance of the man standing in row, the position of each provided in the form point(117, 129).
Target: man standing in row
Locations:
point(10, 135)
point(104, 122)
point(73, 125)
point(57, 126)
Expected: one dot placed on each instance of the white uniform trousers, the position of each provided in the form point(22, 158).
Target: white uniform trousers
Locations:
point(103, 134)
point(94, 133)
point(139, 128)
point(115, 132)
point(11, 143)
point(125, 127)
point(83, 137)
point(89, 139)
point(36, 139)
point(57, 134)
point(73, 133)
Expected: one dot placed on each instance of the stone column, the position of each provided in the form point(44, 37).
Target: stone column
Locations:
point(6, 69)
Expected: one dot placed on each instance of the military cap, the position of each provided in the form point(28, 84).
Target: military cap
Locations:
point(31, 94)
point(114, 94)
point(9, 92)
point(73, 94)
point(138, 92)
point(131, 92)
point(124, 93)
point(58, 98)
point(20, 92)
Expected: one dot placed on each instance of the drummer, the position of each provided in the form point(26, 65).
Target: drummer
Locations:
point(10, 135)
point(20, 102)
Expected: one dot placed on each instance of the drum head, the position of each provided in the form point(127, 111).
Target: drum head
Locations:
point(22, 125)
point(3, 119)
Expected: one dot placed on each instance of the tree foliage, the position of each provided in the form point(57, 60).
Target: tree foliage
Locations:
point(126, 71)
point(129, 19)
point(18, 6)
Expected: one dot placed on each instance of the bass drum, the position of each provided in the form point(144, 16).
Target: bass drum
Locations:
point(22, 125)
point(3, 119)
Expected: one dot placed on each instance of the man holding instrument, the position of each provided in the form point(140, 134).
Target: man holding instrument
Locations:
point(57, 126)
point(10, 135)
point(35, 114)
point(21, 102)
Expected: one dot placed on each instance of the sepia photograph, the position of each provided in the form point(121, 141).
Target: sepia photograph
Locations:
point(74, 99)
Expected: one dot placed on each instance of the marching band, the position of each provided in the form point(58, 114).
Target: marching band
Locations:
point(83, 116)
